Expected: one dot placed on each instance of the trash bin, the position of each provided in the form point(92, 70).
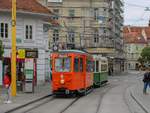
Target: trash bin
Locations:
point(19, 86)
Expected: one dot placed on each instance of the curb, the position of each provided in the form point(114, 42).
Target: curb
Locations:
point(28, 103)
point(138, 102)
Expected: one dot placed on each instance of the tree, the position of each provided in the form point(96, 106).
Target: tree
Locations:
point(1, 49)
point(145, 55)
point(140, 60)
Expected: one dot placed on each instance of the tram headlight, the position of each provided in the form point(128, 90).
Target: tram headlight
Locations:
point(62, 81)
point(62, 76)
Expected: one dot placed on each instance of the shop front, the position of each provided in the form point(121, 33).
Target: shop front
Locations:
point(22, 56)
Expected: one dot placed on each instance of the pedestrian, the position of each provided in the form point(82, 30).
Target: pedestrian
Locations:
point(146, 80)
point(109, 71)
point(7, 85)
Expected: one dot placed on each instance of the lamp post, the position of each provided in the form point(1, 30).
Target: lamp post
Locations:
point(13, 55)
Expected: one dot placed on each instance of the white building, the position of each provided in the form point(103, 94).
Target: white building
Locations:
point(31, 33)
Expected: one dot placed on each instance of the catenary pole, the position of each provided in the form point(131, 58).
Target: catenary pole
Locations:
point(13, 55)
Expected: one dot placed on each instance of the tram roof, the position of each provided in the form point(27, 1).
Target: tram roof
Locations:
point(72, 51)
point(100, 57)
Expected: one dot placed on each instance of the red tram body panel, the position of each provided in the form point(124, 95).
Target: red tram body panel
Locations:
point(72, 71)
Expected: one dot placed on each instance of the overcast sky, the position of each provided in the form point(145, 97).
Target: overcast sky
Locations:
point(134, 12)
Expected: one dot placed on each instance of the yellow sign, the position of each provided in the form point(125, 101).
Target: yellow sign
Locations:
point(21, 53)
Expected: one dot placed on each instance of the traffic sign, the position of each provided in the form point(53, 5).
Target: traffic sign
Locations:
point(21, 53)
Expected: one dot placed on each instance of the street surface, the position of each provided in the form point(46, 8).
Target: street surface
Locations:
point(111, 98)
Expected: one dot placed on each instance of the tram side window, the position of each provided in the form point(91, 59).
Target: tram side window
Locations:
point(97, 66)
point(76, 64)
point(81, 65)
point(104, 67)
point(90, 66)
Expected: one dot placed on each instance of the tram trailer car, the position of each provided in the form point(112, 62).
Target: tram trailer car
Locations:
point(72, 72)
point(100, 70)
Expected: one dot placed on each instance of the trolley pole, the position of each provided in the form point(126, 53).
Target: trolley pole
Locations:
point(13, 55)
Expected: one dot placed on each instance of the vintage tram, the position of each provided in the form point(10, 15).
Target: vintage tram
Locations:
point(72, 72)
point(100, 70)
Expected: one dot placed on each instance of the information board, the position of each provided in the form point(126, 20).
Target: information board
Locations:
point(31, 54)
point(29, 68)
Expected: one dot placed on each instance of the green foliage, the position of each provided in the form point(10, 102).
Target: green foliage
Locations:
point(145, 55)
point(140, 60)
point(1, 49)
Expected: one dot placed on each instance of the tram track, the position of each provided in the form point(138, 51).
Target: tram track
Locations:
point(70, 105)
point(35, 104)
point(29, 107)
point(131, 101)
point(50, 100)
point(133, 104)
point(103, 94)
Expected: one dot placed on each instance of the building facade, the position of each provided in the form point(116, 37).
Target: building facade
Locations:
point(135, 38)
point(31, 36)
point(92, 25)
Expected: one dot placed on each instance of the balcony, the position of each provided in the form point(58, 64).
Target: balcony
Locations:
point(103, 43)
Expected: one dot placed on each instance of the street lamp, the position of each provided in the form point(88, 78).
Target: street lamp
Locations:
point(13, 55)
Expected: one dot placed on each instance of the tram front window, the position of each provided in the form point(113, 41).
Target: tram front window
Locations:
point(62, 64)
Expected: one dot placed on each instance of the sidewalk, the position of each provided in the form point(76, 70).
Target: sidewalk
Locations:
point(24, 98)
point(139, 97)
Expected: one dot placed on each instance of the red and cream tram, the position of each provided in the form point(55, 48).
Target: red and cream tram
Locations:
point(72, 72)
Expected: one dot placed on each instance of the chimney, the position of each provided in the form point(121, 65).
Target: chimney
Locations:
point(128, 27)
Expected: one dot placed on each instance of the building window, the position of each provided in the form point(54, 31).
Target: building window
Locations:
point(71, 12)
point(29, 32)
point(95, 13)
point(56, 12)
point(55, 35)
point(4, 30)
point(96, 37)
point(105, 9)
point(104, 30)
point(71, 36)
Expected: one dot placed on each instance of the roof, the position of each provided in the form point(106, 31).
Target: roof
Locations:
point(138, 35)
point(72, 51)
point(25, 5)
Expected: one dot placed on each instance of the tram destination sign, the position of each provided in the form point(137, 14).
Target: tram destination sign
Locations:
point(31, 54)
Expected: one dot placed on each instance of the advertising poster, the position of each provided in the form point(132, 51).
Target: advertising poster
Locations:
point(29, 68)
point(1, 73)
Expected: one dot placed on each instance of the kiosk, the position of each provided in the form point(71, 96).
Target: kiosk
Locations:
point(29, 74)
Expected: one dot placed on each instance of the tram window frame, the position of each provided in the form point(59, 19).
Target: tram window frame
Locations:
point(63, 61)
point(81, 64)
point(76, 65)
point(96, 66)
point(89, 65)
point(104, 67)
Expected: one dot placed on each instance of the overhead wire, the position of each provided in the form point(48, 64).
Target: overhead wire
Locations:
point(145, 8)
